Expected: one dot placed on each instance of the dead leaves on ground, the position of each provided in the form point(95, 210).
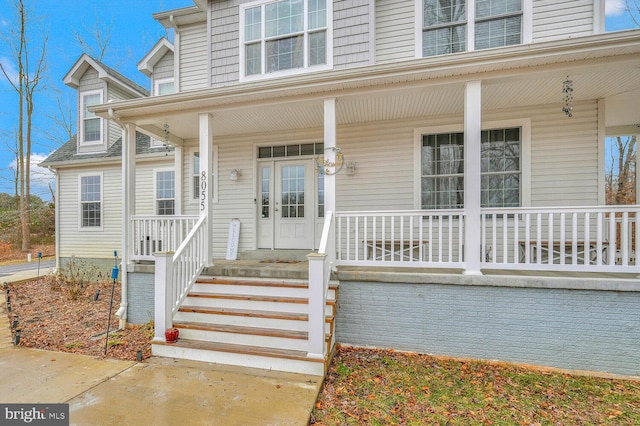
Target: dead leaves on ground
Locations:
point(381, 387)
point(50, 319)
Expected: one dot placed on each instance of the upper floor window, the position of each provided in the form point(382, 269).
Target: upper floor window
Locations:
point(91, 201)
point(452, 26)
point(163, 87)
point(284, 35)
point(90, 124)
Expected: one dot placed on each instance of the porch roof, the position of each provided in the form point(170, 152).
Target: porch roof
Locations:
point(600, 66)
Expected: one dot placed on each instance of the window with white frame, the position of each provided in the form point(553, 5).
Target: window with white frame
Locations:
point(444, 25)
point(90, 201)
point(284, 35)
point(442, 169)
point(90, 124)
point(195, 173)
point(165, 192)
point(163, 87)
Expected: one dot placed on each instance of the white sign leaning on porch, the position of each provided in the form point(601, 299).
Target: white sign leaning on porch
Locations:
point(232, 240)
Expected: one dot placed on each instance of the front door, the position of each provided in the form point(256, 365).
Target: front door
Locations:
point(287, 204)
point(294, 205)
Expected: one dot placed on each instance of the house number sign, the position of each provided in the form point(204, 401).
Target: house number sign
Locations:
point(203, 190)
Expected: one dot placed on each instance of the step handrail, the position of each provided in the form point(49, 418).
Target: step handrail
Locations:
point(175, 274)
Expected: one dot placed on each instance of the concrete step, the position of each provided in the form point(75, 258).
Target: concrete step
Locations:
point(262, 269)
point(275, 255)
point(242, 355)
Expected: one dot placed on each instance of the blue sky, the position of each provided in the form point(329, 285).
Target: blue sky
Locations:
point(134, 32)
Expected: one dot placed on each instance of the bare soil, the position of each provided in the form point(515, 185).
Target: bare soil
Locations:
point(56, 315)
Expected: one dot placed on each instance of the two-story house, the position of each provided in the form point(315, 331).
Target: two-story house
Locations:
point(443, 163)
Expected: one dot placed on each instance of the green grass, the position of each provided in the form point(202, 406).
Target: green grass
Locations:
point(376, 387)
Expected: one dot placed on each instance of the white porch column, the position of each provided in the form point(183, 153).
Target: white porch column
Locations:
point(178, 161)
point(329, 155)
point(128, 209)
point(472, 176)
point(206, 169)
point(163, 294)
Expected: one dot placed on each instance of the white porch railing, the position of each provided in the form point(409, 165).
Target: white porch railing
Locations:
point(578, 239)
point(320, 265)
point(150, 234)
point(418, 238)
point(589, 239)
point(175, 273)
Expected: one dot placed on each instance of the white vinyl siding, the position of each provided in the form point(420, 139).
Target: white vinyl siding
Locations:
point(74, 240)
point(351, 39)
point(163, 69)
point(394, 27)
point(193, 58)
point(553, 20)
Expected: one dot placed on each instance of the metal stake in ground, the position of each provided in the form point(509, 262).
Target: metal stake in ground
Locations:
point(114, 276)
point(39, 258)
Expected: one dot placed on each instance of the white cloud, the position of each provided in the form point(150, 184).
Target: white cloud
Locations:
point(41, 177)
point(615, 7)
point(10, 68)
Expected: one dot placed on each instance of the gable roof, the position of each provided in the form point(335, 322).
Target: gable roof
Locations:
point(151, 59)
point(67, 154)
point(72, 78)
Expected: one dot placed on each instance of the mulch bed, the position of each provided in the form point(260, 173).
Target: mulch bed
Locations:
point(58, 316)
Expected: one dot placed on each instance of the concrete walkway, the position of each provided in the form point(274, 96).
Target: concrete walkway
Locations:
point(159, 391)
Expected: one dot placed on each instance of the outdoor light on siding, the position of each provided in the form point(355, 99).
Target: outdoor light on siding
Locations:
point(351, 168)
point(235, 173)
point(567, 90)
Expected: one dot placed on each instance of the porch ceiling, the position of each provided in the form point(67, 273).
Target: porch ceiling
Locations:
point(416, 89)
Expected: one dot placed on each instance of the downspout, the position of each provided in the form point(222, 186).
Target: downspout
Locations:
point(121, 313)
point(56, 223)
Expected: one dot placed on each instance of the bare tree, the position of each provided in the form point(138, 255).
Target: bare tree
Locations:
point(633, 9)
point(30, 62)
point(621, 179)
point(95, 40)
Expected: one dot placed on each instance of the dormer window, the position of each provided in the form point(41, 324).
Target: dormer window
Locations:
point(163, 87)
point(460, 25)
point(90, 124)
point(285, 36)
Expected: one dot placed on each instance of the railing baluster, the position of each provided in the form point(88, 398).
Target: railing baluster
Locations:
point(624, 238)
point(551, 239)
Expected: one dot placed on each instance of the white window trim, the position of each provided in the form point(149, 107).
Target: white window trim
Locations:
point(90, 228)
point(81, 141)
point(285, 73)
point(527, 26)
point(525, 154)
point(195, 198)
point(155, 189)
point(157, 83)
